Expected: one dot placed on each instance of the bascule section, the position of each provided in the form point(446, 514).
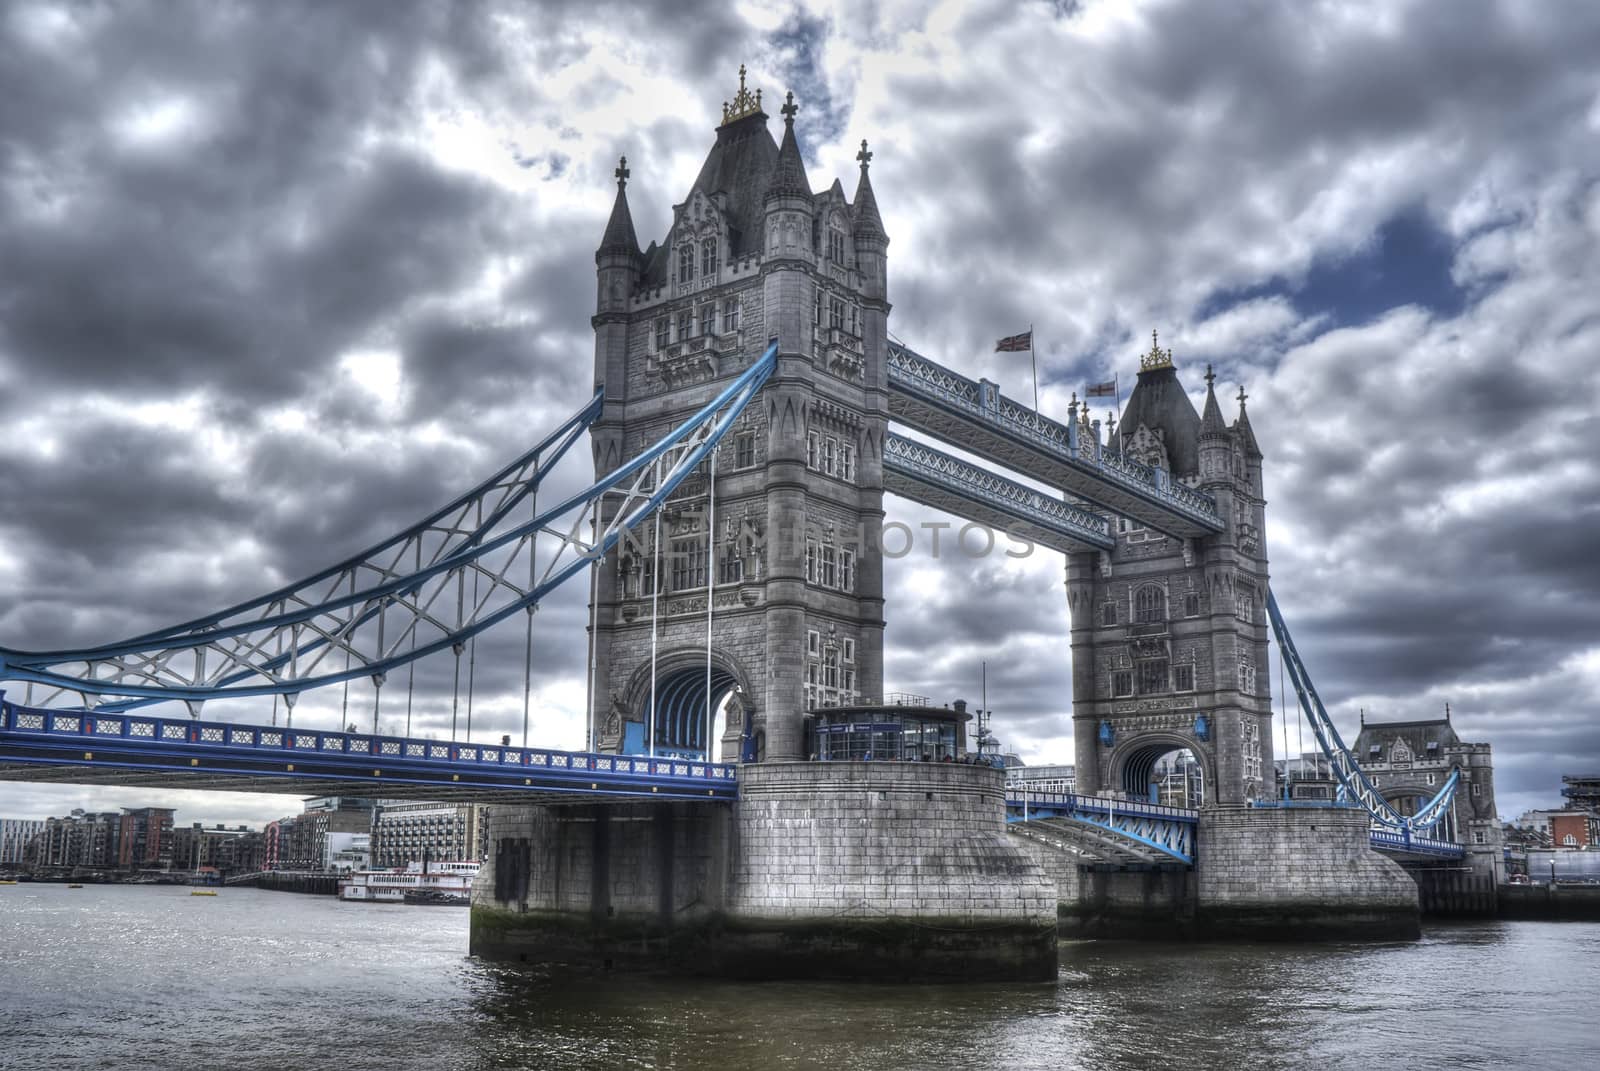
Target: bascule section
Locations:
point(1169, 630)
point(758, 570)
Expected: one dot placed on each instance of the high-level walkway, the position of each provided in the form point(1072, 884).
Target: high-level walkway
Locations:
point(974, 416)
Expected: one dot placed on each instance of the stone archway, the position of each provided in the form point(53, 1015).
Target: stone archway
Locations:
point(681, 703)
point(1175, 769)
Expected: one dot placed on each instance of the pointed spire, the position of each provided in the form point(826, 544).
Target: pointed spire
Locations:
point(1247, 435)
point(619, 236)
point(865, 205)
point(1211, 422)
point(789, 176)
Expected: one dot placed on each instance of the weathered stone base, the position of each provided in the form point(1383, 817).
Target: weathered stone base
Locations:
point(1299, 875)
point(890, 950)
point(903, 865)
point(1144, 904)
point(891, 871)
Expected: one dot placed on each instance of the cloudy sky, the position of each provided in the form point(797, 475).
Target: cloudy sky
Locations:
point(277, 279)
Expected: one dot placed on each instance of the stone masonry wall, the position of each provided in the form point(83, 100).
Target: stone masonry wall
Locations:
point(1286, 872)
point(872, 839)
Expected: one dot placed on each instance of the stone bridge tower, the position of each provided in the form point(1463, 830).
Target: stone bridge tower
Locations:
point(1169, 636)
point(796, 585)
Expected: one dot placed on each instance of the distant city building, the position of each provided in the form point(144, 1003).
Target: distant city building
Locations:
point(349, 851)
point(230, 851)
point(144, 838)
point(1582, 791)
point(405, 832)
point(301, 842)
point(1572, 829)
point(15, 833)
point(1040, 778)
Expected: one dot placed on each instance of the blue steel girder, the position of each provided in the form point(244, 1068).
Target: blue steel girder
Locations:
point(380, 616)
point(1169, 831)
point(78, 747)
point(976, 417)
point(919, 472)
point(1406, 843)
point(1353, 780)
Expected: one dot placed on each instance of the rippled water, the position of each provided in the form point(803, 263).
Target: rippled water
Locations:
point(144, 977)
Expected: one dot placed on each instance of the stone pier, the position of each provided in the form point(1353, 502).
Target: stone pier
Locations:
point(1286, 873)
point(821, 870)
point(1261, 874)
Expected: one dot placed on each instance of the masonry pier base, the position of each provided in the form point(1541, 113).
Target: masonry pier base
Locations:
point(849, 870)
point(1261, 874)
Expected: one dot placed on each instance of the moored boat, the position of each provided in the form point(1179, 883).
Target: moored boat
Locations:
point(450, 880)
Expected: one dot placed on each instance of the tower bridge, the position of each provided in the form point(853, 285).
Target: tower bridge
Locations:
point(745, 390)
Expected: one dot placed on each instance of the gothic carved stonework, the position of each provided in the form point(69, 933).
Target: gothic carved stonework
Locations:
point(683, 363)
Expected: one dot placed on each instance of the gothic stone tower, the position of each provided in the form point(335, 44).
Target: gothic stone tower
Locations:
point(796, 591)
point(1169, 636)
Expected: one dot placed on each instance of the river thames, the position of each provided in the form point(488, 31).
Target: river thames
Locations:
point(133, 977)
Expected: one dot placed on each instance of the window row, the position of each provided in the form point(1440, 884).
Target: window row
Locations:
point(698, 320)
point(841, 314)
point(815, 648)
point(830, 456)
point(685, 566)
point(1150, 606)
point(828, 566)
point(686, 259)
point(1153, 676)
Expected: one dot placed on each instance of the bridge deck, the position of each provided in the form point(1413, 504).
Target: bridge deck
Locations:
point(74, 747)
point(919, 472)
point(1123, 831)
point(976, 417)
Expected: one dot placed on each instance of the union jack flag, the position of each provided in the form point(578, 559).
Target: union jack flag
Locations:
point(1015, 343)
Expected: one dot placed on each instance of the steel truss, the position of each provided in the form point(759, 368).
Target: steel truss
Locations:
point(1168, 831)
point(919, 472)
point(461, 571)
point(1352, 778)
point(974, 416)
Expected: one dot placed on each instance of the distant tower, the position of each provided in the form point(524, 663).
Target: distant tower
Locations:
point(796, 590)
point(1169, 635)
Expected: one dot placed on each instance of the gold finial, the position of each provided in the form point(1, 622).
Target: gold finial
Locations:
point(744, 102)
point(1157, 357)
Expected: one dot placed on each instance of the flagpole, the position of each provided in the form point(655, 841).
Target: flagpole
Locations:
point(1035, 359)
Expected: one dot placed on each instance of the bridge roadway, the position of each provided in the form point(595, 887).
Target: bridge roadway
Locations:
point(74, 747)
point(974, 416)
point(1121, 831)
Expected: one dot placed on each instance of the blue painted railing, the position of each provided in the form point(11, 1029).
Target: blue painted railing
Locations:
point(101, 739)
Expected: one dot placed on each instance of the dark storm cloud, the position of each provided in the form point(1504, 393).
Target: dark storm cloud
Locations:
point(217, 217)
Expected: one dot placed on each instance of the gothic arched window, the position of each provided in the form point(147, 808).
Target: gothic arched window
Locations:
point(708, 256)
point(1149, 604)
point(686, 262)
